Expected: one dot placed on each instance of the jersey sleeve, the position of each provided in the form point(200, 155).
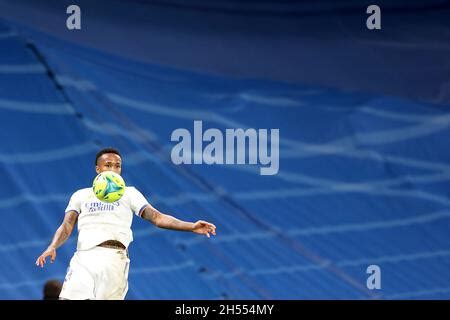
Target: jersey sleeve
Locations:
point(74, 203)
point(138, 201)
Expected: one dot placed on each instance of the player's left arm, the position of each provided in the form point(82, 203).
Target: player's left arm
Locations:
point(166, 221)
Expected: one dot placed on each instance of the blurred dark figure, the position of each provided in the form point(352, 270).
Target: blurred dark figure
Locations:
point(52, 288)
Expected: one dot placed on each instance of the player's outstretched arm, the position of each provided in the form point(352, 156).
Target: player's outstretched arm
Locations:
point(166, 221)
point(61, 235)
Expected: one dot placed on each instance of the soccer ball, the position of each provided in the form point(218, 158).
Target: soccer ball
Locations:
point(108, 186)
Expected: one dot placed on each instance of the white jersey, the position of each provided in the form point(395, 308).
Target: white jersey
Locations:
point(100, 221)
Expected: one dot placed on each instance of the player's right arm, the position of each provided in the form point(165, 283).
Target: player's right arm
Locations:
point(61, 235)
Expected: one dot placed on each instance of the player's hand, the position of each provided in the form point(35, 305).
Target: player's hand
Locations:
point(50, 251)
point(203, 227)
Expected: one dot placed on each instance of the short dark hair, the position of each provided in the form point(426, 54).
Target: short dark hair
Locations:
point(106, 150)
point(52, 289)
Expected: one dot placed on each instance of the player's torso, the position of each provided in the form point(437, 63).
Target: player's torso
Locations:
point(94, 211)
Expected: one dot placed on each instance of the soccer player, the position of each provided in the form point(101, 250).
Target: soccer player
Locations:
point(99, 267)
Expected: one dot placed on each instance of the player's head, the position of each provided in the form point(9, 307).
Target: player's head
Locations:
point(108, 159)
point(52, 288)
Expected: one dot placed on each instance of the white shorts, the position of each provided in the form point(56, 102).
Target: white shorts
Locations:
point(97, 274)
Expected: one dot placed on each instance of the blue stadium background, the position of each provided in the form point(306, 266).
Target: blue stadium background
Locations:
point(364, 142)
